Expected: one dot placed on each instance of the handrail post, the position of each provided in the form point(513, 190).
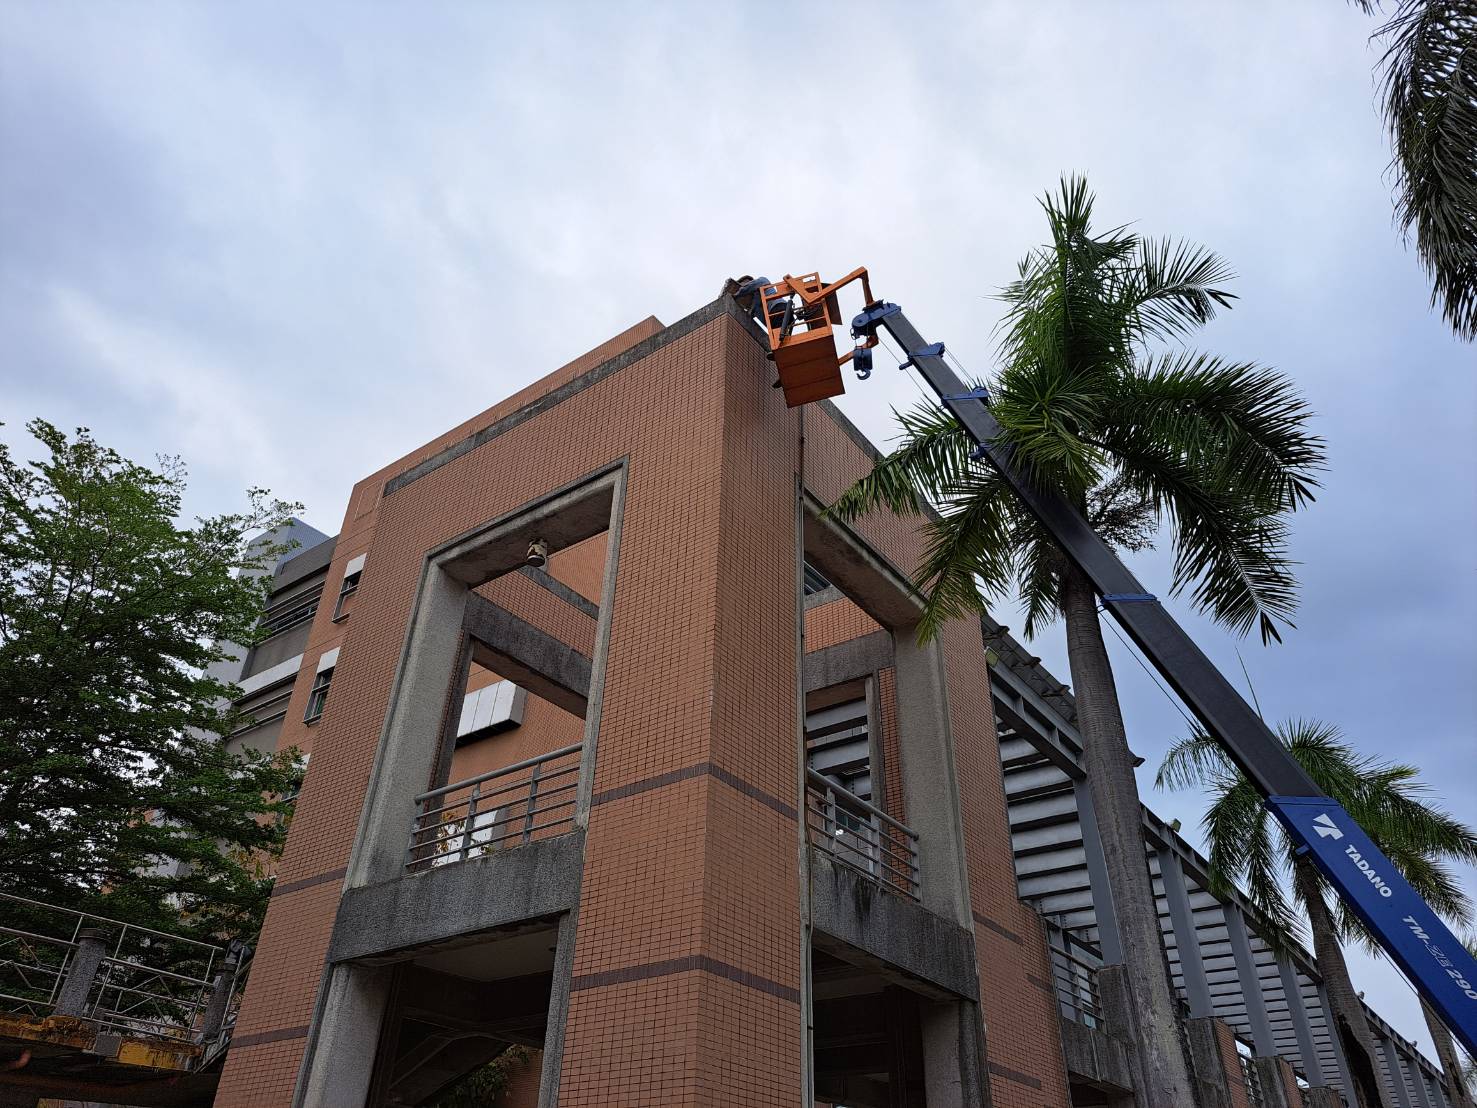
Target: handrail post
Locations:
point(532, 800)
point(71, 999)
point(220, 994)
point(471, 823)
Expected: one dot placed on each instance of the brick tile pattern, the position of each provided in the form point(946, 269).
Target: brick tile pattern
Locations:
point(699, 867)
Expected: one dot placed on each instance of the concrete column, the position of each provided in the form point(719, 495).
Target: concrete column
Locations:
point(346, 1038)
point(1346, 1077)
point(1395, 1069)
point(954, 1072)
point(1216, 1065)
point(1182, 918)
point(553, 1055)
point(408, 750)
point(1279, 1086)
point(1307, 1052)
point(1097, 876)
point(1423, 1096)
point(930, 785)
point(92, 948)
point(1250, 980)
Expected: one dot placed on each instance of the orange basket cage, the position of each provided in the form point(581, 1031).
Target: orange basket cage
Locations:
point(801, 341)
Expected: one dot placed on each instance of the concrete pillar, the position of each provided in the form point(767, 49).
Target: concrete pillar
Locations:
point(1278, 1083)
point(1216, 1065)
point(346, 1038)
point(87, 959)
point(1182, 918)
point(552, 1059)
point(1322, 1096)
point(1341, 1063)
point(1250, 981)
point(1097, 876)
point(1301, 1029)
point(930, 784)
point(1395, 1069)
point(954, 1067)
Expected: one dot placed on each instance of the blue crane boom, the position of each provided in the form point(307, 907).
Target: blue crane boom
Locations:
point(1441, 968)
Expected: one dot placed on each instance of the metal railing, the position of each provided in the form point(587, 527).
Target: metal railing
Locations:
point(502, 808)
point(859, 835)
point(295, 609)
point(1075, 981)
point(137, 980)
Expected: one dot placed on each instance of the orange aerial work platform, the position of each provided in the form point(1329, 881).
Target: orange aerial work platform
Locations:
point(800, 313)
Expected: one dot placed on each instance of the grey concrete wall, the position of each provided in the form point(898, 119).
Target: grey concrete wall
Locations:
point(539, 880)
point(1097, 1058)
point(912, 941)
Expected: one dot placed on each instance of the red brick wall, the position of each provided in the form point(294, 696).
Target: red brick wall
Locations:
point(688, 938)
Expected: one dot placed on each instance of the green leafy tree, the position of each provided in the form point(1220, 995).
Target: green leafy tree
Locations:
point(117, 795)
point(484, 1085)
point(1138, 434)
point(1428, 78)
point(1249, 847)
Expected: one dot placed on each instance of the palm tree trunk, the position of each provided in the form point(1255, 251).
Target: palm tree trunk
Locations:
point(1348, 1010)
point(1162, 1066)
point(1451, 1062)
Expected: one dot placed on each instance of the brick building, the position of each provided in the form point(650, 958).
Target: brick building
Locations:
point(685, 808)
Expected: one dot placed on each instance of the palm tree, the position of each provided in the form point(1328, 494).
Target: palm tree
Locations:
point(1458, 1076)
point(1248, 845)
point(1429, 88)
point(1135, 437)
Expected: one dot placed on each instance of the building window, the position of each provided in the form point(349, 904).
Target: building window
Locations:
point(353, 571)
point(283, 615)
point(814, 582)
point(318, 695)
point(350, 587)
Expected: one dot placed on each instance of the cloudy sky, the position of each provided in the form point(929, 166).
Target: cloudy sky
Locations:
point(292, 242)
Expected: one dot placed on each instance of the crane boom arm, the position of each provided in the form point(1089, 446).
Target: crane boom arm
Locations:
point(1440, 967)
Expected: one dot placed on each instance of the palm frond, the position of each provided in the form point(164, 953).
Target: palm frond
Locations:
point(1245, 423)
point(1197, 760)
point(1039, 570)
point(1386, 800)
point(1247, 844)
point(932, 458)
point(1174, 288)
point(1429, 90)
point(969, 550)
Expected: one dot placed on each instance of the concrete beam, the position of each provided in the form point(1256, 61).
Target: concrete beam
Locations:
point(1301, 1028)
point(527, 656)
point(1250, 981)
point(1103, 907)
point(1182, 918)
point(390, 920)
point(858, 922)
point(570, 516)
point(847, 661)
point(868, 579)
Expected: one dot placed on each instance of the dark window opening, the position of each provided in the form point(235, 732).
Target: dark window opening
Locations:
point(318, 695)
point(350, 587)
point(814, 581)
point(838, 746)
